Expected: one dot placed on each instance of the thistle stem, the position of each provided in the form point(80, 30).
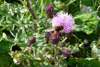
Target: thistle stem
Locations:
point(33, 15)
point(54, 48)
point(64, 40)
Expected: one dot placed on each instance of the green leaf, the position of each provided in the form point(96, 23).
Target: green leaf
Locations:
point(83, 63)
point(89, 2)
point(5, 46)
point(85, 23)
point(3, 12)
point(97, 28)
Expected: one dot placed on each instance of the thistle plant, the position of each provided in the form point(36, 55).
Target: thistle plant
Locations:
point(65, 20)
point(54, 39)
point(66, 52)
point(19, 54)
point(50, 12)
point(71, 40)
point(57, 38)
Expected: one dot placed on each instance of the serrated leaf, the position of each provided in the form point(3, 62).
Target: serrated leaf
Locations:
point(85, 23)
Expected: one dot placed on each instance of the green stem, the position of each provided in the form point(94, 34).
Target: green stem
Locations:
point(55, 53)
point(52, 52)
point(56, 60)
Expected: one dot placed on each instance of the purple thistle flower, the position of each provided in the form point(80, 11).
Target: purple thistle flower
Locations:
point(50, 12)
point(65, 20)
point(66, 52)
point(54, 39)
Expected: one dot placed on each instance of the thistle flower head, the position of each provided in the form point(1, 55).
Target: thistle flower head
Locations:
point(48, 6)
point(54, 39)
point(50, 12)
point(31, 40)
point(66, 52)
point(65, 20)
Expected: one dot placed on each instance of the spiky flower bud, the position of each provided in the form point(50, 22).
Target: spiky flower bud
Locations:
point(31, 40)
point(66, 52)
point(86, 42)
point(54, 39)
point(59, 52)
point(69, 34)
point(50, 12)
point(47, 36)
point(63, 44)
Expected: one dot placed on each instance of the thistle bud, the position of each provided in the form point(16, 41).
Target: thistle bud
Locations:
point(59, 52)
point(69, 34)
point(63, 44)
point(50, 12)
point(66, 52)
point(31, 40)
point(86, 42)
point(54, 39)
point(47, 36)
